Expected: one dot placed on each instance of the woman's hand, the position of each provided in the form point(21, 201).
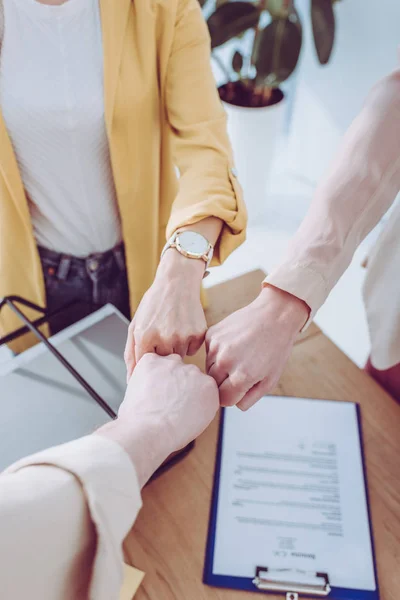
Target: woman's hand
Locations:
point(247, 351)
point(167, 405)
point(170, 318)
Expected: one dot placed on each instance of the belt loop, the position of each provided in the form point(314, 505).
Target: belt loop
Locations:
point(63, 268)
point(119, 256)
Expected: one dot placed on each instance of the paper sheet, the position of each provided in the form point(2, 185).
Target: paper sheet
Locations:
point(132, 580)
point(292, 492)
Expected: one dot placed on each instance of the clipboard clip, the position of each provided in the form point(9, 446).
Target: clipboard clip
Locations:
point(292, 582)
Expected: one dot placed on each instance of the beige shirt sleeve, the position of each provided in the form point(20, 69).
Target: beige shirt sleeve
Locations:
point(362, 183)
point(64, 514)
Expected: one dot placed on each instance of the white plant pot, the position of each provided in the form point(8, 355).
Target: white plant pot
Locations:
point(254, 133)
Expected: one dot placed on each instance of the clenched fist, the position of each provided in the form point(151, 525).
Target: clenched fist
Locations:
point(247, 351)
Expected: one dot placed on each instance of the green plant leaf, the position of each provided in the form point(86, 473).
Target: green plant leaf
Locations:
point(230, 20)
point(277, 50)
point(323, 26)
point(237, 62)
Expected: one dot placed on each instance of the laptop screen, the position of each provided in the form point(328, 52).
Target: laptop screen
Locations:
point(43, 405)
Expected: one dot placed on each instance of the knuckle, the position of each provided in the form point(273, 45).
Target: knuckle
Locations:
point(229, 346)
point(151, 337)
point(174, 339)
point(165, 337)
point(221, 354)
point(241, 376)
point(199, 332)
point(212, 342)
point(224, 361)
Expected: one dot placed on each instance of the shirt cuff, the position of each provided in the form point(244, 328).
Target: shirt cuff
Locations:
point(303, 282)
point(111, 487)
point(225, 203)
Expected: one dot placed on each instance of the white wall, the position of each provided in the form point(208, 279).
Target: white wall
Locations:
point(366, 44)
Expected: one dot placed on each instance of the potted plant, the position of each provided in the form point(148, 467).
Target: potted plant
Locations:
point(257, 44)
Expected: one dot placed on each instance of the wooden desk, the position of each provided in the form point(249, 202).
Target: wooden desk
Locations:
point(168, 541)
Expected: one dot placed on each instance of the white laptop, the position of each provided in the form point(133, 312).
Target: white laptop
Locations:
point(42, 404)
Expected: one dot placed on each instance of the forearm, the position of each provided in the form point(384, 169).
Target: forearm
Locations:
point(199, 139)
point(210, 228)
point(46, 532)
point(361, 185)
point(64, 514)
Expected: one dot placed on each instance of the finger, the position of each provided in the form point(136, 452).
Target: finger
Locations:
point(253, 395)
point(209, 367)
point(181, 348)
point(163, 350)
point(129, 354)
point(211, 349)
point(231, 393)
point(218, 374)
point(210, 362)
point(195, 344)
point(211, 359)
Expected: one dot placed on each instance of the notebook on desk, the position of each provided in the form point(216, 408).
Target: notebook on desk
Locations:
point(290, 509)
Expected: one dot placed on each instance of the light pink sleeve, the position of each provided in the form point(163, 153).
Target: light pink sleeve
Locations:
point(64, 514)
point(361, 184)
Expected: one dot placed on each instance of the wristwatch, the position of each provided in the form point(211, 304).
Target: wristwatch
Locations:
point(192, 245)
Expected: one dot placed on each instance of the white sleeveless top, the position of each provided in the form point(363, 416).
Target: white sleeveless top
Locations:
point(51, 97)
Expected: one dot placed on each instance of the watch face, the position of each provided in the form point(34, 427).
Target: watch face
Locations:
point(192, 243)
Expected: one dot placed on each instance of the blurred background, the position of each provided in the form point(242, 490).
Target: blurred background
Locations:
point(303, 134)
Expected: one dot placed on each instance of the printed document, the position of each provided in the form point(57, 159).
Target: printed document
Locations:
point(292, 492)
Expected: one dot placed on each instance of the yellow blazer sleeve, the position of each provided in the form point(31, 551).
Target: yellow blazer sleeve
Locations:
point(201, 148)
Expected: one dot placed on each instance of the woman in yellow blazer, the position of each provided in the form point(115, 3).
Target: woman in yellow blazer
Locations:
point(160, 111)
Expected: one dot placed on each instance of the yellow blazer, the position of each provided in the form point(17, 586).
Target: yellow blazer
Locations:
point(162, 110)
